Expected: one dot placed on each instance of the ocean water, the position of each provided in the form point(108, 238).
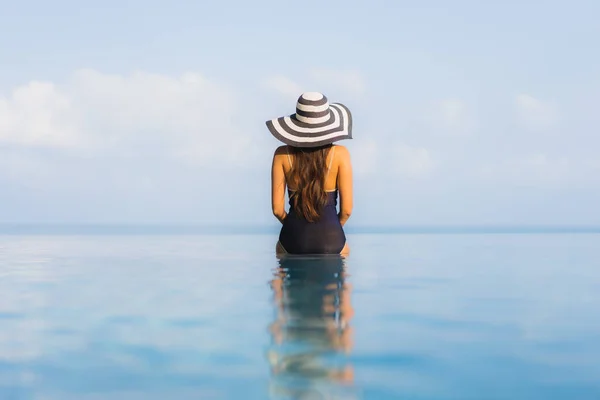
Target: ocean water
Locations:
point(200, 316)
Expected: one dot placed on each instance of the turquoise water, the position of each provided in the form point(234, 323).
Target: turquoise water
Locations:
point(198, 316)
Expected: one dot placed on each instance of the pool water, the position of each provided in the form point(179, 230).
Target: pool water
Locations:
point(406, 316)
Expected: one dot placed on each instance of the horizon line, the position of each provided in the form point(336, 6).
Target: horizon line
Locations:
point(173, 228)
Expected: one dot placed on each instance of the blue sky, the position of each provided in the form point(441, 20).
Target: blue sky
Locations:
point(466, 112)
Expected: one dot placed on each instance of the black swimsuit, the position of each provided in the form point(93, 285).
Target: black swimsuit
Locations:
point(324, 236)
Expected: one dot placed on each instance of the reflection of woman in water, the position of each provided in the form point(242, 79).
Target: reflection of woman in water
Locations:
point(312, 299)
point(314, 171)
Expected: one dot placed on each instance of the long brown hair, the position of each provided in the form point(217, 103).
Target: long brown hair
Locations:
point(307, 177)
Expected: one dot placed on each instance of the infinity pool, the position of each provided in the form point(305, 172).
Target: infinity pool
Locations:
point(472, 316)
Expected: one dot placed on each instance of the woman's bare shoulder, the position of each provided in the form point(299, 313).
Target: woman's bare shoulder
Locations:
point(281, 150)
point(342, 151)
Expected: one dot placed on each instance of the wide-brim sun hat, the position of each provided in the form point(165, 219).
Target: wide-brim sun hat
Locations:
point(315, 123)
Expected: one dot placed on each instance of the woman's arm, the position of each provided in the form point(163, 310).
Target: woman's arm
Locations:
point(278, 185)
point(345, 184)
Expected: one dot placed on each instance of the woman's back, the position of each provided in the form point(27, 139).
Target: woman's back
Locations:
point(314, 172)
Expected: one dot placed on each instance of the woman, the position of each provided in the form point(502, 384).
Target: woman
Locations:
point(314, 172)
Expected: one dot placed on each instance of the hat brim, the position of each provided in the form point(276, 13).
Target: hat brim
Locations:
point(294, 132)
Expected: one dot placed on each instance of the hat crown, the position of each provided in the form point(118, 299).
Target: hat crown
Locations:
point(312, 108)
point(312, 96)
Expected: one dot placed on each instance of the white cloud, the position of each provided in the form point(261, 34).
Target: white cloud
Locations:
point(38, 114)
point(412, 162)
point(535, 114)
point(187, 117)
point(118, 140)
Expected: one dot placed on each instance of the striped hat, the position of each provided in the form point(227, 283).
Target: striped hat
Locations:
point(315, 123)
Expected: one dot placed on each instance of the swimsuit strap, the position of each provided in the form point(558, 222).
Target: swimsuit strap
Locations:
point(289, 158)
point(330, 161)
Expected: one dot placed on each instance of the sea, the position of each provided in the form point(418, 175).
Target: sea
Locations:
point(447, 313)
